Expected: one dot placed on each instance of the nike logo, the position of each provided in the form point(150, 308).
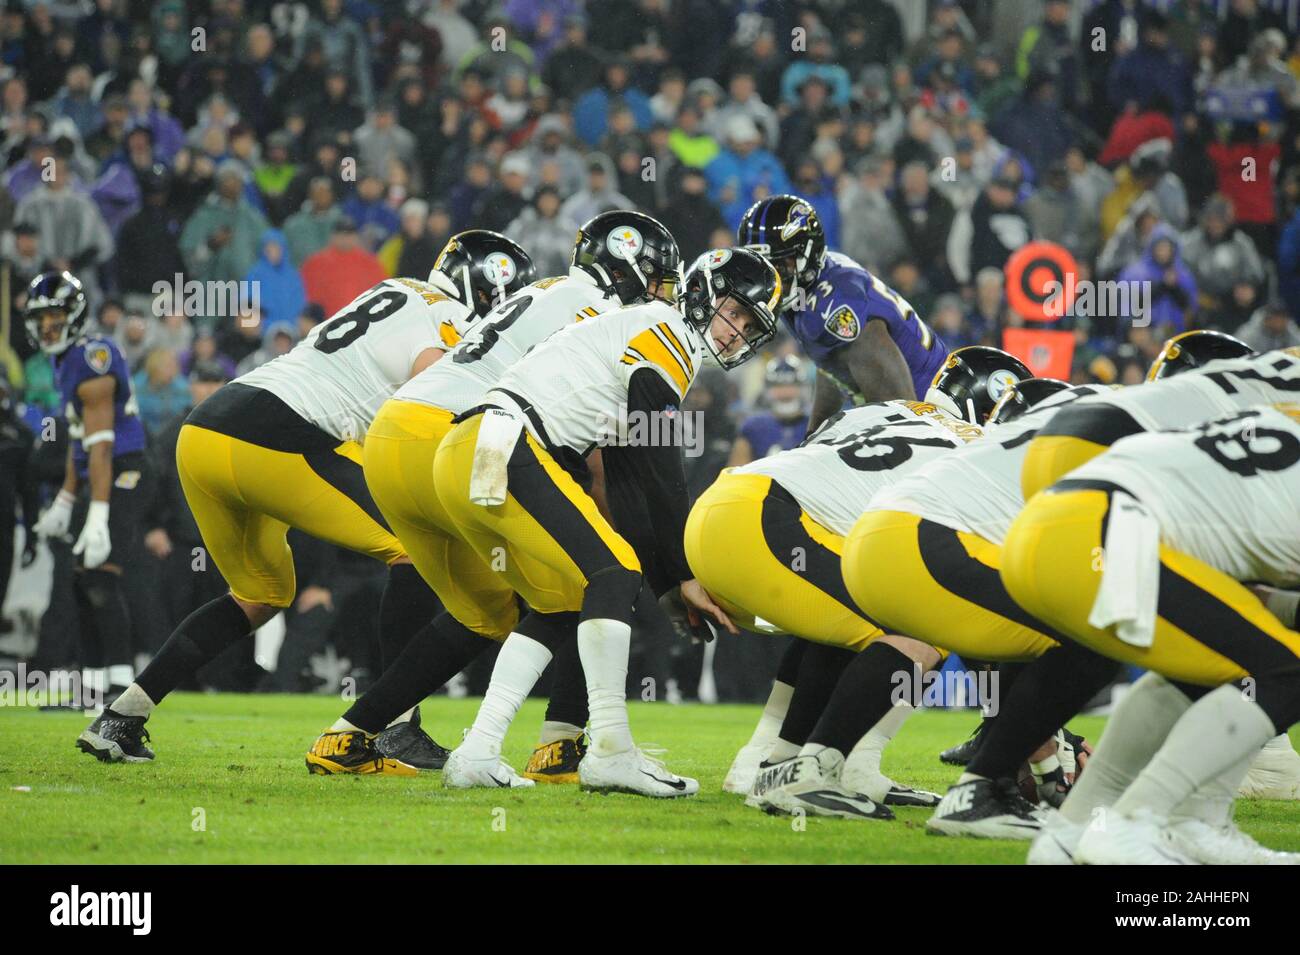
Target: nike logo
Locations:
point(503, 783)
point(678, 784)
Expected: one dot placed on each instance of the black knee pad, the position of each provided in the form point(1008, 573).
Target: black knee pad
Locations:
point(549, 629)
point(610, 594)
point(99, 587)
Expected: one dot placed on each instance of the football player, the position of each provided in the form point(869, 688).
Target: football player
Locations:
point(106, 468)
point(1052, 689)
point(619, 258)
point(863, 336)
point(500, 476)
point(785, 422)
point(782, 520)
point(1149, 546)
point(279, 448)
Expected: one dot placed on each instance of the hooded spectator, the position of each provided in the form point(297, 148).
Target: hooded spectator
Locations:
point(591, 111)
point(1221, 256)
point(279, 287)
point(744, 172)
point(546, 233)
point(277, 339)
point(1170, 283)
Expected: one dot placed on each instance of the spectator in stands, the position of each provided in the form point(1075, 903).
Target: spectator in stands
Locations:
point(872, 235)
point(368, 208)
point(342, 270)
point(1167, 280)
point(71, 232)
point(159, 389)
point(987, 235)
point(345, 45)
point(599, 195)
point(500, 204)
point(820, 62)
point(926, 218)
point(1225, 262)
point(744, 171)
point(545, 232)
point(690, 215)
point(275, 281)
point(220, 240)
point(1153, 70)
point(573, 67)
point(1270, 328)
point(307, 231)
point(591, 110)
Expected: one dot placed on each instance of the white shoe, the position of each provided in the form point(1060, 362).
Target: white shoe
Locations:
point(487, 772)
point(633, 771)
point(744, 768)
point(810, 785)
point(1140, 839)
point(1056, 842)
point(882, 789)
point(1224, 845)
point(1275, 773)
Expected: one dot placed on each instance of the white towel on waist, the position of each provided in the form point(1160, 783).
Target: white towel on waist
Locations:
point(1130, 576)
point(497, 435)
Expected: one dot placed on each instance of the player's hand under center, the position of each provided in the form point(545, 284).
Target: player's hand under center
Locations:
point(698, 601)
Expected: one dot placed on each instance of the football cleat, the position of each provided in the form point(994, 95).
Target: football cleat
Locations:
point(633, 771)
point(883, 789)
point(114, 738)
point(1055, 842)
point(964, 752)
point(1275, 773)
point(985, 809)
point(352, 751)
point(744, 768)
point(769, 776)
point(1141, 839)
point(486, 772)
point(1224, 845)
point(556, 762)
point(408, 743)
point(811, 785)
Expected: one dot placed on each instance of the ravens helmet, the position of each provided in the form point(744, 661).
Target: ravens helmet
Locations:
point(1022, 396)
point(783, 380)
point(973, 379)
point(482, 269)
point(1192, 350)
point(737, 274)
point(787, 232)
point(625, 251)
point(55, 292)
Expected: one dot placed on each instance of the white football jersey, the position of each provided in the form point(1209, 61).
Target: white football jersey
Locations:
point(977, 488)
point(1213, 391)
point(838, 469)
point(347, 366)
point(1226, 493)
point(577, 380)
point(503, 336)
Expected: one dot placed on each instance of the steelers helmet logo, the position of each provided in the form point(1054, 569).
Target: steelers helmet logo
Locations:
point(625, 242)
point(1000, 381)
point(796, 221)
point(714, 259)
point(500, 269)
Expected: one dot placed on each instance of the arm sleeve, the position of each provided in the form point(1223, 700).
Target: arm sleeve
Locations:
point(660, 472)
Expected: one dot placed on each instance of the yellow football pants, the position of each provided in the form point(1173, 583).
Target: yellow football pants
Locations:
point(547, 538)
point(760, 556)
point(938, 585)
point(246, 497)
point(1210, 629)
point(398, 458)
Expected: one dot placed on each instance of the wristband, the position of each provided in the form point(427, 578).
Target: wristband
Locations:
point(99, 437)
point(65, 497)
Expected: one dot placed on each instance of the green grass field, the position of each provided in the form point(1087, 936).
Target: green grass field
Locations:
point(235, 763)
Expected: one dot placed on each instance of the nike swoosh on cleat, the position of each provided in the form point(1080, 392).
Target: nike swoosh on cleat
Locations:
point(829, 800)
point(503, 785)
point(678, 784)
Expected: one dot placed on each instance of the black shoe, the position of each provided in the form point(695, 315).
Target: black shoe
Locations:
point(963, 753)
point(114, 738)
point(408, 743)
point(985, 809)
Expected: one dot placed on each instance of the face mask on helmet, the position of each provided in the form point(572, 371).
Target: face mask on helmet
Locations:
point(733, 324)
point(972, 381)
point(54, 311)
point(1023, 396)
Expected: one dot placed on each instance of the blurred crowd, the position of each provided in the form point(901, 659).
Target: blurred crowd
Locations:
point(312, 149)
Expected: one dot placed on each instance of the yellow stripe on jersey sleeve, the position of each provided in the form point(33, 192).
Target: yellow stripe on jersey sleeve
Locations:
point(649, 348)
point(677, 346)
point(587, 312)
point(447, 332)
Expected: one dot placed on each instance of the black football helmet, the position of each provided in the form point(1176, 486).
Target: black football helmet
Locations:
point(744, 276)
point(483, 268)
point(625, 251)
point(55, 291)
point(1022, 396)
point(786, 231)
point(973, 379)
point(1192, 350)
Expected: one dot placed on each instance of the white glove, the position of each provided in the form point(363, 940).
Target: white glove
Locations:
point(54, 521)
point(94, 543)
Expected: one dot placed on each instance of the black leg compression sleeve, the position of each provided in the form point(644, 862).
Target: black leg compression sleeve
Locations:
point(106, 615)
point(610, 595)
point(408, 604)
point(568, 703)
point(1048, 692)
point(788, 670)
point(862, 697)
point(818, 674)
point(551, 630)
point(201, 637)
point(431, 658)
